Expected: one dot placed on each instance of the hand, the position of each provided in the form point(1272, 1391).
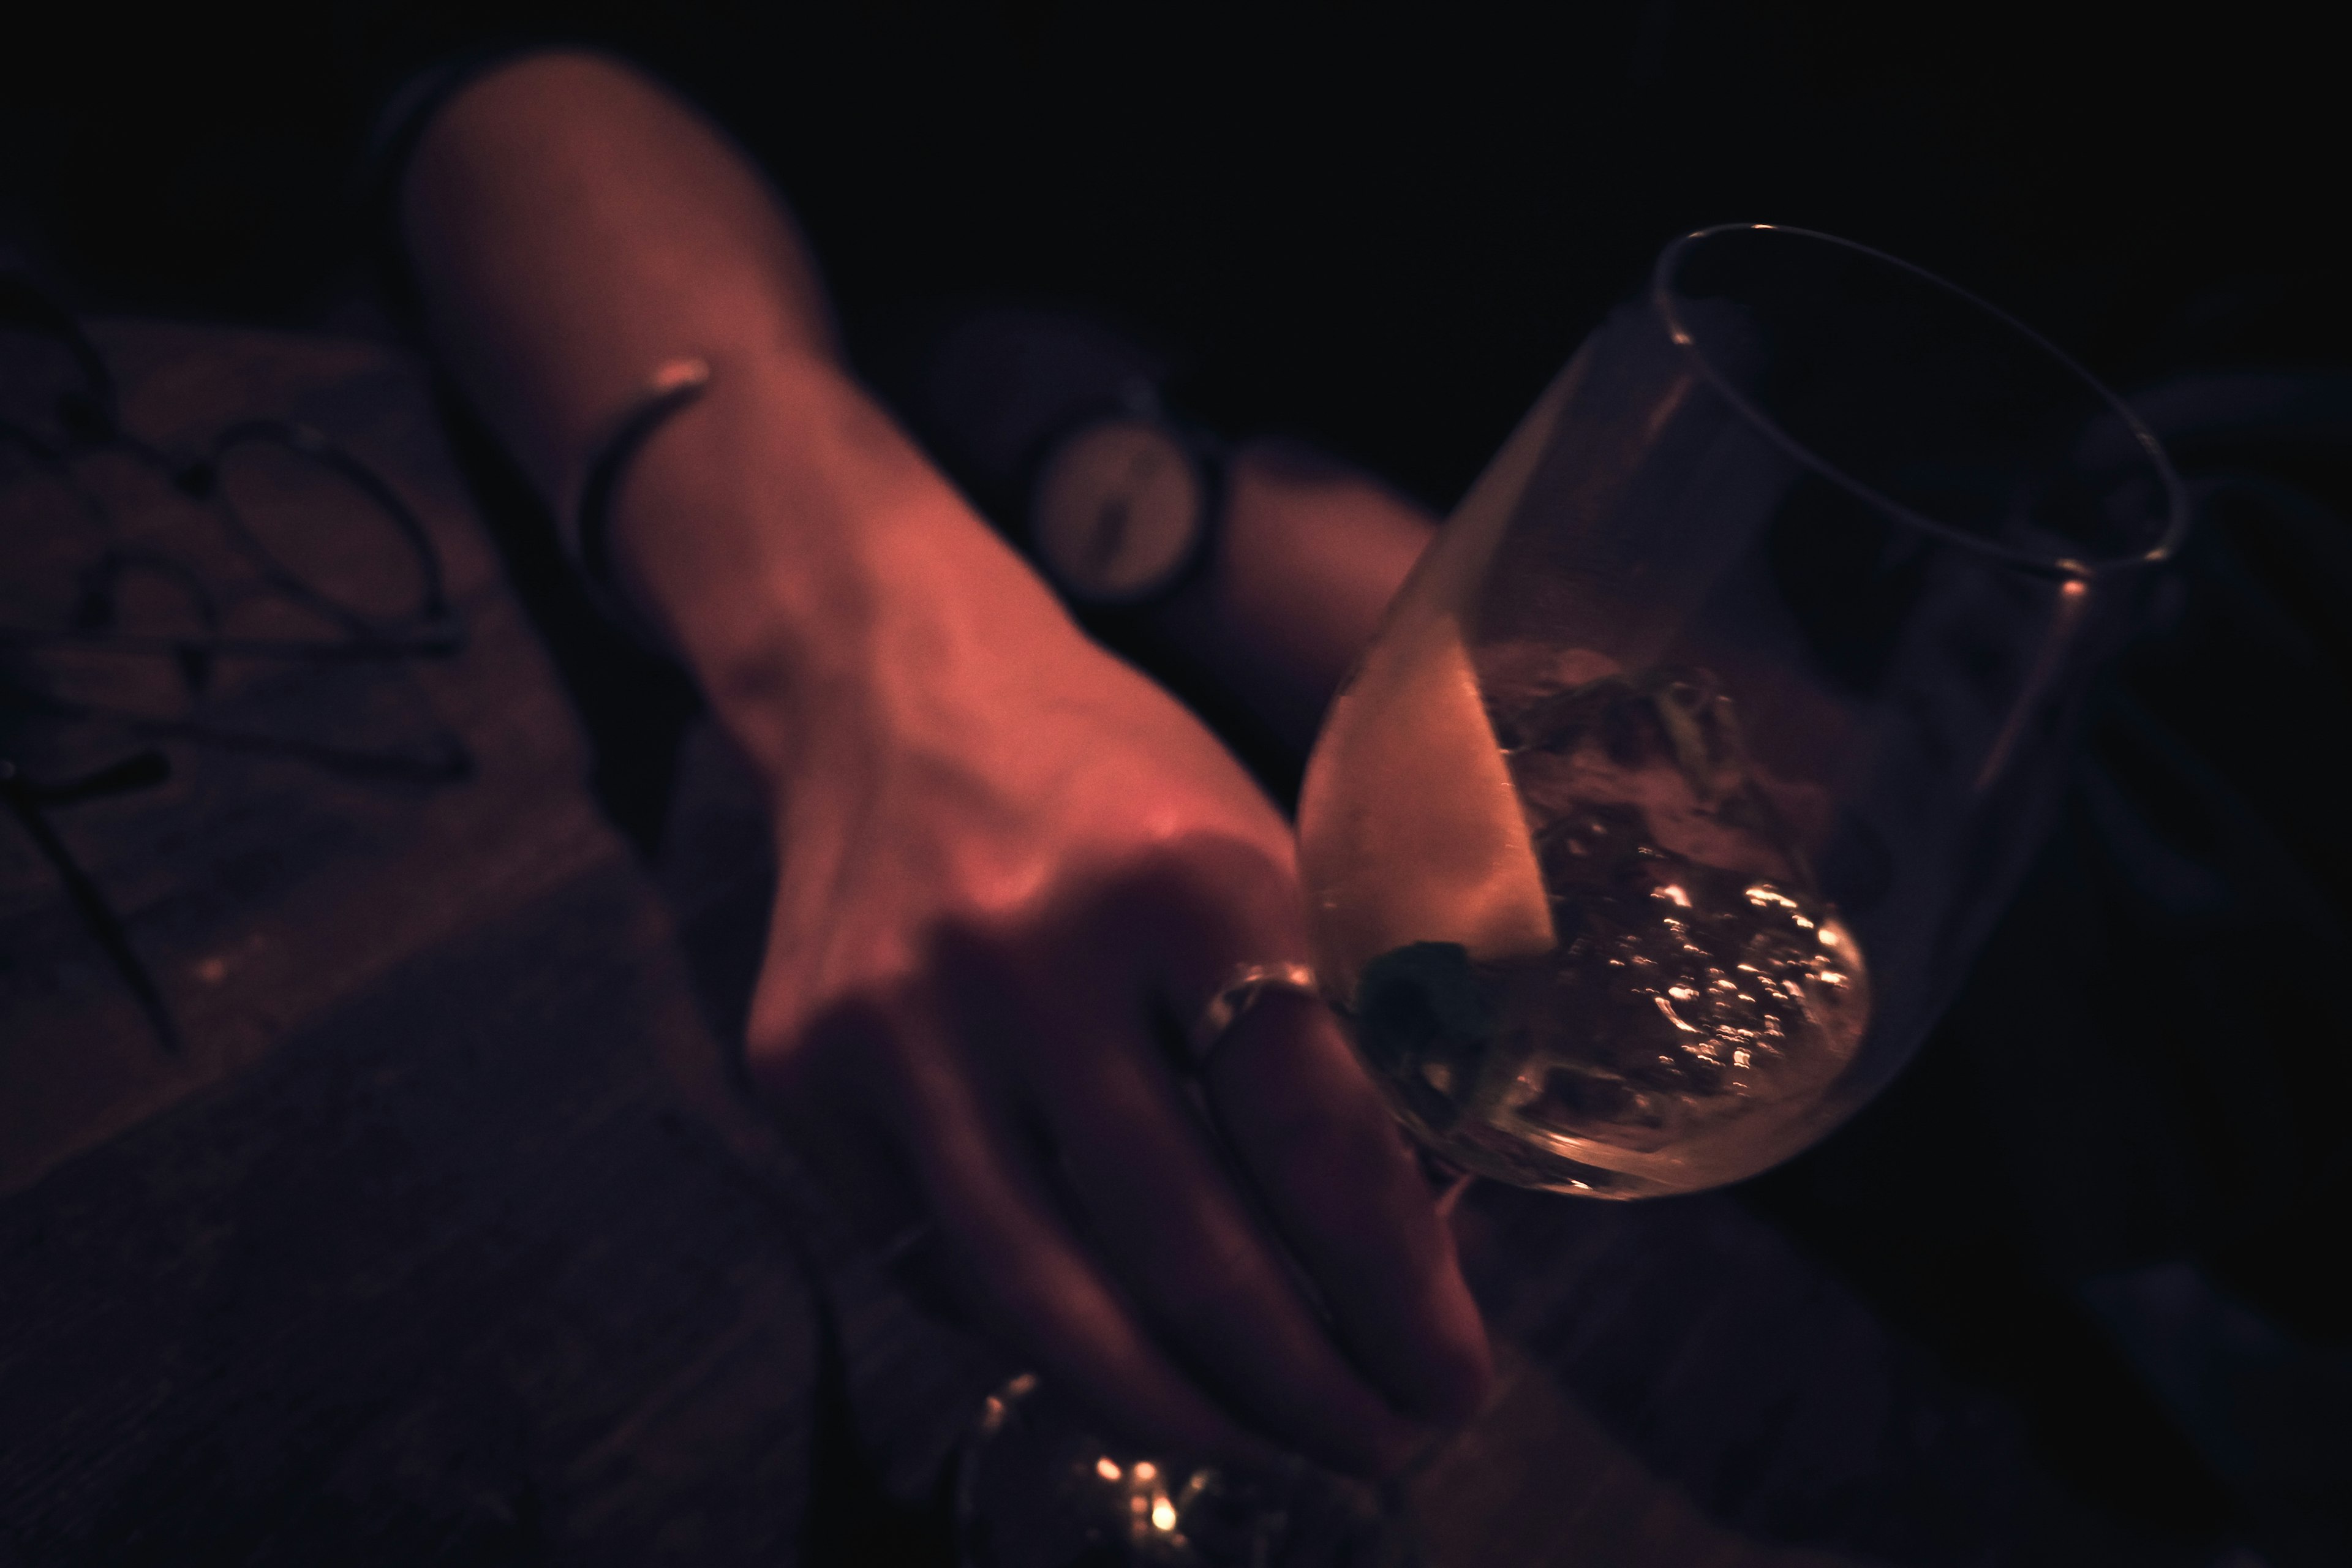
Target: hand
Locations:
point(1005, 892)
point(1008, 865)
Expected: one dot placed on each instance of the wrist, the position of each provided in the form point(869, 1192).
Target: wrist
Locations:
point(820, 580)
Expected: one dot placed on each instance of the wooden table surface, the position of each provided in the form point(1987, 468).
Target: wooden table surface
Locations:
point(445, 1237)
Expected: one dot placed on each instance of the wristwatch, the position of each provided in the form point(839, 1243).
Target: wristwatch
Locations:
point(1121, 509)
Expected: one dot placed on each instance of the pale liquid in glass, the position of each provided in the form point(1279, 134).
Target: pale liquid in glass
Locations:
point(1569, 927)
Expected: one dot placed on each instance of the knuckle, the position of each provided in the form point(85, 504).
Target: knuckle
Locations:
point(852, 1025)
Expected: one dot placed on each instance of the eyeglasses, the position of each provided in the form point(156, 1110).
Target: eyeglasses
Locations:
point(271, 548)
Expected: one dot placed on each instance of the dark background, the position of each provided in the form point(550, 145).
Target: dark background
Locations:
point(1382, 228)
point(1380, 225)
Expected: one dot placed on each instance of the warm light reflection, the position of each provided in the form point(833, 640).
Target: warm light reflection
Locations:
point(1672, 1017)
point(1106, 1469)
point(1145, 1471)
point(1163, 1513)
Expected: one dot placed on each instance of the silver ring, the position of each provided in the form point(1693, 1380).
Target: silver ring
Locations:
point(1236, 996)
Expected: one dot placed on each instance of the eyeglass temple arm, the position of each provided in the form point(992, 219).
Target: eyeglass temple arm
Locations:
point(27, 802)
point(24, 305)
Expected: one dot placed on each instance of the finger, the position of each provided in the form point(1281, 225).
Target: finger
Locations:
point(1336, 1177)
point(1029, 1274)
point(823, 1090)
point(1316, 1141)
point(1178, 1231)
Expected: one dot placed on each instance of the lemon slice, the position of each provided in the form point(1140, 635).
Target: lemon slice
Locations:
point(1410, 828)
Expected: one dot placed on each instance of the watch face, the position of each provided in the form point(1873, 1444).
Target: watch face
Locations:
point(1116, 512)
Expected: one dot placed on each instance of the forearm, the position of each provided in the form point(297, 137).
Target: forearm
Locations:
point(571, 226)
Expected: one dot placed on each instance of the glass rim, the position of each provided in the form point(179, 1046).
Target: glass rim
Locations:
point(1663, 296)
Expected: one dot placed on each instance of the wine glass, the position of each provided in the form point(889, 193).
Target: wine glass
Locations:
point(1695, 760)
